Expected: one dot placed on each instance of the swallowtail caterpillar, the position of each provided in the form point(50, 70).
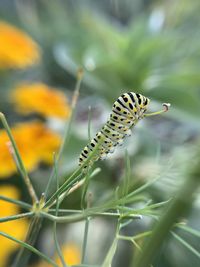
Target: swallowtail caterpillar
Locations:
point(127, 110)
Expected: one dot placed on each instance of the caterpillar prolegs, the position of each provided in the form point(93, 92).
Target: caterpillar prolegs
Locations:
point(127, 110)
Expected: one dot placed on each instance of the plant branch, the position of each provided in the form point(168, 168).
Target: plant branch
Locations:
point(23, 255)
point(57, 245)
point(16, 202)
point(18, 159)
point(75, 177)
point(16, 217)
point(30, 248)
point(68, 128)
point(184, 243)
point(81, 215)
point(174, 210)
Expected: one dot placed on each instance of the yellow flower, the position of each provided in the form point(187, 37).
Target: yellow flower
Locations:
point(17, 228)
point(71, 253)
point(39, 98)
point(17, 49)
point(36, 143)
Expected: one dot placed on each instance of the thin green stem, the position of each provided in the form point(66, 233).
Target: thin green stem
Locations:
point(88, 174)
point(89, 123)
point(73, 178)
point(18, 159)
point(16, 217)
point(111, 252)
point(73, 108)
point(136, 237)
point(174, 210)
point(76, 186)
point(71, 190)
point(23, 255)
point(130, 239)
point(30, 248)
point(86, 229)
point(146, 210)
point(106, 214)
point(81, 215)
point(127, 174)
point(68, 127)
point(64, 187)
point(16, 202)
point(189, 230)
point(185, 244)
point(59, 252)
point(139, 190)
point(85, 187)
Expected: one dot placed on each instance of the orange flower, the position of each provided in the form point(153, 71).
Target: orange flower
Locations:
point(17, 49)
point(39, 98)
point(71, 253)
point(36, 143)
point(17, 228)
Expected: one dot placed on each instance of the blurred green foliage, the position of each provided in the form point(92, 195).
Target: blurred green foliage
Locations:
point(154, 52)
point(150, 47)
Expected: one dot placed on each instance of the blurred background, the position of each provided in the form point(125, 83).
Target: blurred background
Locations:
point(145, 46)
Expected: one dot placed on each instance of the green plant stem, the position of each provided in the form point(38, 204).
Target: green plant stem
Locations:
point(109, 214)
point(59, 252)
point(175, 209)
point(89, 123)
point(35, 225)
point(111, 252)
point(126, 182)
point(16, 217)
point(84, 214)
point(19, 162)
point(68, 128)
point(78, 185)
point(85, 188)
point(73, 178)
point(64, 187)
point(103, 214)
point(23, 255)
point(85, 240)
point(189, 230)
point(136, 237)
point(184, 243)
point(74, 187)
point(16, 202)
point(32, 249)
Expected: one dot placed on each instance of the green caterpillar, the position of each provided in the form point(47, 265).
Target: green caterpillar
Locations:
point(126, 111)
